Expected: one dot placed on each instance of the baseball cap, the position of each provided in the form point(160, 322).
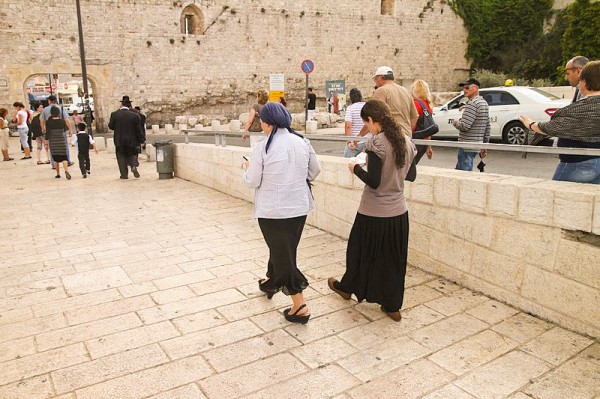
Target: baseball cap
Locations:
point(470, 81)
point(383, 70)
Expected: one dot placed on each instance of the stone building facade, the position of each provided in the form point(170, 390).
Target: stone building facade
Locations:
point(174, 57)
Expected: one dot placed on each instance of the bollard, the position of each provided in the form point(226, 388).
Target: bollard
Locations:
point(311, 127)
point(235, 125)
point(216, 124)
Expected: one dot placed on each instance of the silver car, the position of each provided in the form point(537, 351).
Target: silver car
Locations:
point(506, 104)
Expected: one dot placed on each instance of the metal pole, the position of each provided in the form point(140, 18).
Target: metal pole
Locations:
point(86, 104)
point(306, 103)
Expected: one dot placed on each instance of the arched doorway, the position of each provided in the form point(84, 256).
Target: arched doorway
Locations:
point(192, 21)
point(67, 87)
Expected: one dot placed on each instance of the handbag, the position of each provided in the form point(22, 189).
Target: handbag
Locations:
point(426, 126)
point(255, 126)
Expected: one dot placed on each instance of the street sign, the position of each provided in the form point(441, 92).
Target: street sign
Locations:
point(276, 82)
point(307, 66)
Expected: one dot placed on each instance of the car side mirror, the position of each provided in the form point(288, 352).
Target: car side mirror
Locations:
point(444, 108)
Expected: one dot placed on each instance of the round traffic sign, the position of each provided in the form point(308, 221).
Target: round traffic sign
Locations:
point(307, 66)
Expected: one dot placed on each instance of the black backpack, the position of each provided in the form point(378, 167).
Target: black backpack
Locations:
point(426, 126)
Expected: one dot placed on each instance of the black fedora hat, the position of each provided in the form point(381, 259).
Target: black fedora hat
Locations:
point(125, 99)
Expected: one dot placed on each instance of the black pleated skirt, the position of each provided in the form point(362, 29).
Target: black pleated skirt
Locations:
point(282, 237)
point(376, 260)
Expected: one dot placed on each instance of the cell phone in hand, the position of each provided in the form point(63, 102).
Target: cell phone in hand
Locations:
point(245, 158)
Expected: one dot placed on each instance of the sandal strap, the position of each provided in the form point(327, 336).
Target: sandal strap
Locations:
point(299, 309)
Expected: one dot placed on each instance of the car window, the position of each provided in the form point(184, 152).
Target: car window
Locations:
point(457, 102)
point(499, 97)
point(538, 92)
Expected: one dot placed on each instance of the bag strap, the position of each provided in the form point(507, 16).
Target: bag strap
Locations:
point(424, 108)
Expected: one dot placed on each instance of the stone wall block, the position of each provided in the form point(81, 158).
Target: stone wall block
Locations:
point(573, 210)
point(531, 243)
point(536, 205)
point(472, 195)
point(502, 199)
point(419, 238)
point(452, 251)
point(445, 191)
point(563, 295)
point(503, 271)
point(596, 217)
point(422, 189)
point(579, 261)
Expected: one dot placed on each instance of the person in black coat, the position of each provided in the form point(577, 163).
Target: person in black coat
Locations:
point(128, 137)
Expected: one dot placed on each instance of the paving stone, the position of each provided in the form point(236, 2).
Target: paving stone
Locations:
point(376, 361)
point(252, 377)
point(31, 327)
point(522, 327)
point(32, 299)
point(368, 335)
point(204, 340)
point(578, 378)
point(15, 316)
point(183, 279)
point(492, 312)
point(172, 295)
point(411, 381)
point(502, 376)
point(42, 363)
point(456, 302)
point(190, 306)
point(199, 321)
point(249, 350)
point(419, 294)
point(83, 332)
point(39, 387)
point(447, 331)
point(473, 352)
point(16, 349)
point(131, 339)
point(190, 391)
point(109, 309)
point(449, 392)
point(76, 302)
point(329, 324)
point(556, 345)
point(108, 367)
point(323, 352)
point(149, 382)
point(142, 288)
point(324, 382)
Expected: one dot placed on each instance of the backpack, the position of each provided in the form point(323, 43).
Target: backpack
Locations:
point(426, 126)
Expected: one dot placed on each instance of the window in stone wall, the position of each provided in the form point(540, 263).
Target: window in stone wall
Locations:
point(387, 7)
point(192, 21)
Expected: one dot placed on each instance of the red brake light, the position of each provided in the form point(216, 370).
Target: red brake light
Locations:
point(551, 111)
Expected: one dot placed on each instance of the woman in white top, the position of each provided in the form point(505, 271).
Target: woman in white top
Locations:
point(4, 134)
point(280, 170)
point(21, 117)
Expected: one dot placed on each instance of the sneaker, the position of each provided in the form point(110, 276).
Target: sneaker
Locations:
point(68, 175)
point(57, 176)
point(135, 172)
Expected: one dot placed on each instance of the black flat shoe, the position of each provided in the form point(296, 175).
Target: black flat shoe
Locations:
point(295, 318)
point(331, 282)
point(262, 285)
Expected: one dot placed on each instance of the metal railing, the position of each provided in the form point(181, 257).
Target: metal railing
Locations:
point(221, 140)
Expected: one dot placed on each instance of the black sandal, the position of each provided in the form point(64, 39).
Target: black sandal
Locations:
point(262, 285)
point(295, 318)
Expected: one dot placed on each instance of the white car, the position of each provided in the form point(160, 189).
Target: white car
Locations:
point(506, 105)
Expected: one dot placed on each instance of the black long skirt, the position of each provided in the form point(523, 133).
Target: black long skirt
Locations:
point(376, 260)
point(282, 237)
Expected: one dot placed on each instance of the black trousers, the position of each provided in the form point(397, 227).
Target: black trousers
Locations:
point(282, 237)
point(125, 159)
point(84, 162)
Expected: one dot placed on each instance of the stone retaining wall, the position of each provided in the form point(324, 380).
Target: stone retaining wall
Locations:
point(531, 243)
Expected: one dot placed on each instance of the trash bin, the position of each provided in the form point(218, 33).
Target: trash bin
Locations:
point(165, 158)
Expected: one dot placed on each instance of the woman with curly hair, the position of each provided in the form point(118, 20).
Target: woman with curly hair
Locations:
point(378, 243)
point(253, 122)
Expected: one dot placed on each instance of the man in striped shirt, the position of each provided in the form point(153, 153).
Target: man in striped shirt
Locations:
point(474, 125)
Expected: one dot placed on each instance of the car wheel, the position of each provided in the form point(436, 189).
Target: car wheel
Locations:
point(514, 133)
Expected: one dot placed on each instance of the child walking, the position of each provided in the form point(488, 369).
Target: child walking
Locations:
point(84, 141)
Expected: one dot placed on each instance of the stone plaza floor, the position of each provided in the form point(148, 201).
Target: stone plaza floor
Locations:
point(147, 288)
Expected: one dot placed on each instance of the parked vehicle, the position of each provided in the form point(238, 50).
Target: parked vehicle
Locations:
point(506, 104)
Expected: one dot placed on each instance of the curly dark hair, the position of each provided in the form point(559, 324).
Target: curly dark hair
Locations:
point(380, 113)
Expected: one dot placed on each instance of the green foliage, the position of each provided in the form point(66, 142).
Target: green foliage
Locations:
point(507, 36)
point(489, 78)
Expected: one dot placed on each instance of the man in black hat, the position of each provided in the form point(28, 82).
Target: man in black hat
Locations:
point(474, 125)
point(128, 137)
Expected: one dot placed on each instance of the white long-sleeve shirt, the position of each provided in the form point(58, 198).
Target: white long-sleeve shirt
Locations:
point(280, 176)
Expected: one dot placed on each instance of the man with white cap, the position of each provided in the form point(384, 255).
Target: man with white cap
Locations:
point(397, 98)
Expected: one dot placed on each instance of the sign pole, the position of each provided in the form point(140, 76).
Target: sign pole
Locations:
point(86, 101)
point(306, 104)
